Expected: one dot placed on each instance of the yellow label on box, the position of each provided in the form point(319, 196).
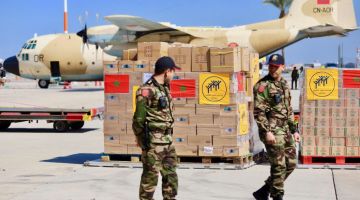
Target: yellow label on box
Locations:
point(214, 89)
point(135, 88)
point(322, 84)
point(244, 119)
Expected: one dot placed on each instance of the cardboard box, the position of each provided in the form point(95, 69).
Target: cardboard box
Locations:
point(323, 141)
point(352, 103)
point(224, 60)
point(184, 109)
point(210, 151)
point(308, 150)
point(182, 57)
point(226, 140)
point(181, 120)
point(201, 119)
point(245, 59)
point(323, 151)
point(352, 131)
point(352, 141)
point(308, 121)
point(340, 141)
point(129, 54)
point(338, 122)
point(180, 139)
point(338, 151)
point(337, 103)
point(208, 129)
point(337, 131)
point(352, 121)
point(226, 119)
point(115, 129)
point(338, 112)
point(115, 149)
point(323, 122)
point(151, 51)
point(133, 149)
point(352, 113)
point(128, 139)
point(179, 101)
point(199, 140)
point(323, 104)
point(309, 141)
point(352, 151)
point(186, 150)
point(111, 118)
point(309, 104)
point(228, 130)
point(229, 109)
point(142, 66)
point(207, 109)
point(243, 150)
point(111, 67)
point(188, 129)
point(111, 139)
point(322, 131)
point(308, 131)
point(126, 66)
point(200, 59)
point(323, 112)
point(352, 93)
point(179, 75)
point(308, 112)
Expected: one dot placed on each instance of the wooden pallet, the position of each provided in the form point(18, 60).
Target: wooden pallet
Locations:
point(338, 160)
point(219, 163)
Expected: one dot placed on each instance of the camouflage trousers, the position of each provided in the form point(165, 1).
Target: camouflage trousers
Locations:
point(163, 159)
point(282, 158)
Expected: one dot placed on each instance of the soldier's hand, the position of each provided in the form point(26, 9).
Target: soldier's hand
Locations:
point(270, 138)
point(297, 137)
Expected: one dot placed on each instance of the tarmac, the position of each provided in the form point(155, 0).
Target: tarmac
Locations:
point(37, 163)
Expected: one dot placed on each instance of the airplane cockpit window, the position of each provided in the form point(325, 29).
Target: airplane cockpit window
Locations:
point(30, 45)
point(25, 56)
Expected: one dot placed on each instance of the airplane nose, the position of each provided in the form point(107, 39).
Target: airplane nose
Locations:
point(12, 65)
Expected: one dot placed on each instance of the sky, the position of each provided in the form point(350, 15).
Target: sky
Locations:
point(20, 20)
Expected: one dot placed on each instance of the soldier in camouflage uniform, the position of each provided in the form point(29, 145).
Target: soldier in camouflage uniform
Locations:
point(277, 129)
point(153, 125)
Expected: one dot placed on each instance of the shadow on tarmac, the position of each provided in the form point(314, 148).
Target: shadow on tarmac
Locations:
point(78, 158)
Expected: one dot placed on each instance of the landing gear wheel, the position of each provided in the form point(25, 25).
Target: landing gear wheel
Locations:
point(76, 125)
point(61, 126)
point(43, 84)
point(4, 125)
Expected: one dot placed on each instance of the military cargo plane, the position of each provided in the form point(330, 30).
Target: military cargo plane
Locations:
point(61, 55)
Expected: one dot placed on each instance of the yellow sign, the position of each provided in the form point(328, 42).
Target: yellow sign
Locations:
point(322, 84)
point(135, 88)
point(244, 119)
point(214, 88)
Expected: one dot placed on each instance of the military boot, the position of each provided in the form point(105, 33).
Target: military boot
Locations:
point(262, 193)
point(278, 197)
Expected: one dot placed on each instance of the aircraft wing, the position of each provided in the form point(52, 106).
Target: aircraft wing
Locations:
point(143, 26)
point(324, 30)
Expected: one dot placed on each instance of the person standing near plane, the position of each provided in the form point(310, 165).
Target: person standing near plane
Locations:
point(153, 127)
point(2, 76)
point(294, 78)
point(277, 129)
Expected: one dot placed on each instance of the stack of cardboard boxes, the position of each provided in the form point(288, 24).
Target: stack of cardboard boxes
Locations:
point(331, 127)
point(219, 130)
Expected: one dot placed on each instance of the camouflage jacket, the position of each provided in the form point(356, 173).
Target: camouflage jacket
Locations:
point(149, 110)
point(272, 109)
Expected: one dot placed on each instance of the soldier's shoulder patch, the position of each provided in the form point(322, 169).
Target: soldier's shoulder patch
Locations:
point(262, 86)
point(145, 92)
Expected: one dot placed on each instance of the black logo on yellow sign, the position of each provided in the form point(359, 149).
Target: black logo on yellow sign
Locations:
point(322, 84)
point(214, 89)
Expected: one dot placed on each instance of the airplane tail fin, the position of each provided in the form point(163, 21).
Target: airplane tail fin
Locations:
point(305, 14)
